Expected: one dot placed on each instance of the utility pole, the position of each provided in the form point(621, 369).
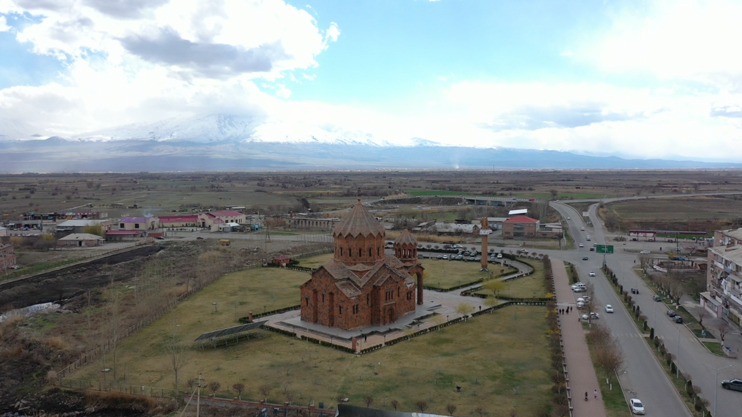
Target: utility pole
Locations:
point(198, 396)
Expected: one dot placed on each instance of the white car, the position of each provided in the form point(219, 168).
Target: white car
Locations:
point(581, 245)
point(644, 252)
point(593, 316)
point(569, 218)
point(636, 406)
point(580, 304)
point(608, 308)
point(592, 274)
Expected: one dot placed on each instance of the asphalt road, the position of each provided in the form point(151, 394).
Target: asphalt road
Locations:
point(706, 369)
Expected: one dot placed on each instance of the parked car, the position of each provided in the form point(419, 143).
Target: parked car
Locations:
point(593, 316)
point(592, 274)
point(644, 252)
point(580, 304)
point(671, 313)
point(657, 298)
point(732, 384)
point(636, 406)
point(608, 308)
point(677, 319)
point(499, 256)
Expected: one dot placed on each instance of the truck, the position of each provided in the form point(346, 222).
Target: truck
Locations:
point(588, 238)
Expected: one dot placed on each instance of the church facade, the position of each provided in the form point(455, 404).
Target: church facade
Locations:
point(362, 286)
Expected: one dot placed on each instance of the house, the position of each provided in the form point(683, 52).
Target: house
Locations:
point(78, 226)
point(7, 256)
point(723, 296)
point(213, 219)
point(189, 220)
point(455, 228)
point(80, 240)
point(119, 235)
point(312, 223)
point(362, 286)
point(3, 231)
point(520, 227)
point(137, 223)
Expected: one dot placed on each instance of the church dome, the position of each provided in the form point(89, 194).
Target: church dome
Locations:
point(406, 238)
point(359, 222)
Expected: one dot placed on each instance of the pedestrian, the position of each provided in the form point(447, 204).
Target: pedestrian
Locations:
point(585, 395)
point(595, 394)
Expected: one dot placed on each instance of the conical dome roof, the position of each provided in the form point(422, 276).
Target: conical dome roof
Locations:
point(405, 238)
point(359, 222)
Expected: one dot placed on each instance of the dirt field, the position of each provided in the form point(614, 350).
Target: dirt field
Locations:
point(693, 213)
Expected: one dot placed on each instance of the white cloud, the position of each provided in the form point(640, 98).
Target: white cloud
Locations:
point(676, 39)
point(4, 24)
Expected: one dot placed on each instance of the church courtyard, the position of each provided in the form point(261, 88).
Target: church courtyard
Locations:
point(500, 359)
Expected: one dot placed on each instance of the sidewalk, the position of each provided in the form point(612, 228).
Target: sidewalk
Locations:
point(733, 338)
point(582, 377)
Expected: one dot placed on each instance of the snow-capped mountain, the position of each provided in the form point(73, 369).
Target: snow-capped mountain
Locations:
point(200, 128)
point(217, 128)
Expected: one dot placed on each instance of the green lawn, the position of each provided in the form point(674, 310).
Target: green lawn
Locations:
point(426, 368)
point(714, 347)
point(445, 274)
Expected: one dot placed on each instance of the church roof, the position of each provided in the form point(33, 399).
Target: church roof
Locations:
point(406, 238)
point(351, 280)
point(359, 222)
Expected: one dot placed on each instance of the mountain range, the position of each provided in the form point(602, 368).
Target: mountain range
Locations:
point(223, 142)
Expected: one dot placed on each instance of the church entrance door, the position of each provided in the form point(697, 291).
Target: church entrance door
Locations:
point(390, 315)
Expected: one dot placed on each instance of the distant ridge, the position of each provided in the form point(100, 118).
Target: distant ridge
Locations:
point(59, 155)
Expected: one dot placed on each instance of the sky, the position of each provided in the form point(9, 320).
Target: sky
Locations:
point(640, 79)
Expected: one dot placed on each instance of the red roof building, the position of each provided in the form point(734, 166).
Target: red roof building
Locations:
point(520, 227)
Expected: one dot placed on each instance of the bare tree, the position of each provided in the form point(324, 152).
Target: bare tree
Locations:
point(450, 409)
point(239, 388)
point(214, 387)
point(285, 385)
point(422, 406)
point(610, 357)
point(480, 410)
point(368, 400)
point(395, 404)
point(265, 389)
point(723, 328)
point(701, 315)
point(176, 357)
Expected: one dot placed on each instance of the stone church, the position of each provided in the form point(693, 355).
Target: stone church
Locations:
point(362, 286)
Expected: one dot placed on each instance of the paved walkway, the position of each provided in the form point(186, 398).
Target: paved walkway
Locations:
point(582, 377)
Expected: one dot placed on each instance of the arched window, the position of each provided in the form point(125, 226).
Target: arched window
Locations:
point(370, 252)
point(360, 252)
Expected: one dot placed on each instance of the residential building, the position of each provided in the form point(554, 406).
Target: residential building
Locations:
point(214, 219)
point(519, 227)
point(188, 220)
point(723, 296)
point(137, 223)
point(80, 240)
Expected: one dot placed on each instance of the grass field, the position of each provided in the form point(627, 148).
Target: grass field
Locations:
point(427, 193)
point(525, 287)
point(427, 368)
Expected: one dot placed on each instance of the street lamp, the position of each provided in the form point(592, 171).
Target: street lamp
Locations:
point(716, 384)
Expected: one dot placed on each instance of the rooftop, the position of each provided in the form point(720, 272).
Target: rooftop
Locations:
point(521, 219)
point(81, 236)
point(359, 222)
